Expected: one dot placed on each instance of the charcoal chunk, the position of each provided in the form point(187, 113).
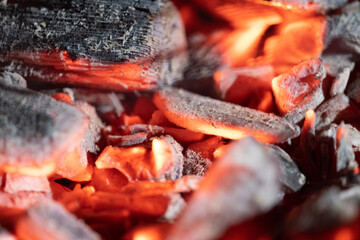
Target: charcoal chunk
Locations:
point(290, 174)
point(143, 41)
point(233, 190)
point(35, 129)
point(49, 220)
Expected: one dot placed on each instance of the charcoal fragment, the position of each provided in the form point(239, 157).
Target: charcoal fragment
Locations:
point(327, 210)
point(36, 130)
point(290, 175)
point(232, 191)
point(49, 220)
point(122, 45)
point(210, 116)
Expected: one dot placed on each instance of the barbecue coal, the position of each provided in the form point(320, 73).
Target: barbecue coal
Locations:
point(123, 155)
point(93, 43)
point(36, 131)
point(49, 220)
point(229, 193)
point(210, 116)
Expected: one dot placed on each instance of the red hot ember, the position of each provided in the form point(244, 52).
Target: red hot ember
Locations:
point(154, 120)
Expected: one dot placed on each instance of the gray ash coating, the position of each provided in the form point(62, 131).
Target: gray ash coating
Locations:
point(105, 30)
point(33, 125)
point(195, 106)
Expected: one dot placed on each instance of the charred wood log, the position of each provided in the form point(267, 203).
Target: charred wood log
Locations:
point(122, 45)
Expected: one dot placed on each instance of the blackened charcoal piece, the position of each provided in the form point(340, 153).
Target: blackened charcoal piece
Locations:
point(345, 30)
point(290, 174)
point(331, 208)
point(211, 116)
point(49, 220)
point(123, 45)
point(233, 190)
point(35, 131)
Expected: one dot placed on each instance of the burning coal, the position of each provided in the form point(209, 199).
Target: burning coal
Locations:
point(179, 120)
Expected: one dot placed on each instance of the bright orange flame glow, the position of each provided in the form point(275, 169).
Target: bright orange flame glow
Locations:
point(220, 151)
point(344, 234)
point(240, 44)
point(161, 156)
point(300, 40)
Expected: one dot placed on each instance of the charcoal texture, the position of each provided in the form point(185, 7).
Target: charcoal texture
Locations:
point(290, 175)
point(34, 126)
point(148, 34)
point(345, 30)
point(110, 31)
point(333, 207)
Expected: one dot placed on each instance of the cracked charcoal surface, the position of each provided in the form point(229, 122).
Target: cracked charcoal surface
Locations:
point(33, 124)
point(125, 28)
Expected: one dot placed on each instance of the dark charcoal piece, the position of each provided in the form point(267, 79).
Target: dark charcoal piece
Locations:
point(233, 190)
point(345, 31)
point(331, 208)
point(35, 129)
point(49, 220)
point(123, 45)
point(290, 174)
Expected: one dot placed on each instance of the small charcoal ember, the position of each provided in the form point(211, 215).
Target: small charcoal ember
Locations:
point(210, 116)
point(49, 220)
point(14, 183)
point(122, 45)
point(166, 160)
point(290, 174)
point(199, 156)
point(36, 131)
point(232, 191)
point(300, 89)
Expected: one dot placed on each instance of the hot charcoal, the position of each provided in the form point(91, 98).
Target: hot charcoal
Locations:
point(93, 43)
point(110, 131)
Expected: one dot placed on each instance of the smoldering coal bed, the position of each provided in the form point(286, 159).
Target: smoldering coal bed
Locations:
point(194, 119)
